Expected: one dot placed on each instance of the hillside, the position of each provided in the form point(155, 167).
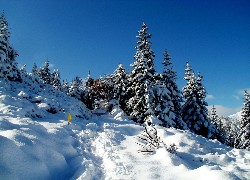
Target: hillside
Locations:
point(37, 143)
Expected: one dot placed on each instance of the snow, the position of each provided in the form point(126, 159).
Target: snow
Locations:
point(99, 147)
point(236, 116)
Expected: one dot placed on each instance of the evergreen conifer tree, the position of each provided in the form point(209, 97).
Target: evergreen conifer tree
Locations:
point(55, 81)
point(23, 71)
point(35, 71)
point(217, 122)
point(107, 87)
point(194, 110)
point(169, 99)
point(213, 115)
point(88, 92)
point(45, 74)
point(65, 87)
point(142, 71)
point(119, 79)
point(8, 64)
point(75, 89)
point(35, 74)
point(244, 135)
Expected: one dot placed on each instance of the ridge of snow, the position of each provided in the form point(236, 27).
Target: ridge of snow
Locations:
point(236, 116)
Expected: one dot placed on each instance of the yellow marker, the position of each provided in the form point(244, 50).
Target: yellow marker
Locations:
point(69, 118)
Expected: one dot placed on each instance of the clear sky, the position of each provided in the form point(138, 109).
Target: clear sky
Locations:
point(78, 36)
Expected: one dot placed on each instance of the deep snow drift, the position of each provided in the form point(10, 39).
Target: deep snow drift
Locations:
point(37, 143)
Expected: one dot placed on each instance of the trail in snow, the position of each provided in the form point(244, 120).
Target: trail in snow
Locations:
point(100, 145)
point(116, 144)
point(114, 155)
point(90, 167)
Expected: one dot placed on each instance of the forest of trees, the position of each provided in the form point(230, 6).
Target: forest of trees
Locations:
point(143, 94)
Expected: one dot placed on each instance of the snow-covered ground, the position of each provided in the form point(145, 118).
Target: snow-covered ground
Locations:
point(36, 144)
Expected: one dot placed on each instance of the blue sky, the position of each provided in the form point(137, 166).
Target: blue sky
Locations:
point(81, 35)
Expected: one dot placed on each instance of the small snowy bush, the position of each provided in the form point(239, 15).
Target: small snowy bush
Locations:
point(149, 140)
point(172, 148)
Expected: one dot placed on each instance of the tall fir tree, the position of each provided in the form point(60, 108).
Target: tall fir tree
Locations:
point(169, 97)
point(119, 79)
point(8, 64)
point(244, 135)
point(194, 110)
point(89, 92)
point(142, 71)
point(213, 116)
point(56, 79)
point(217, 122)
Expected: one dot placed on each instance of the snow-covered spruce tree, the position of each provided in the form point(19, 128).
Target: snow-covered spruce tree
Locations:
point(55, 79)
point(120, 81)
point(163, 105)
point(88, 92)
point(8, 64)
point(217, 122)
point(142, 71)
point(35, 72)
point(28, 78)
point(168, 97)
point(107, 88)
point(75, 88)
point(45, 74)
point(214, 117)
point(229, 130)
point(65, 87)
point(244, 135)
point(194, 110)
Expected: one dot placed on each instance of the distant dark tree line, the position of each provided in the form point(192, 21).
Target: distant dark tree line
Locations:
point(143, 94)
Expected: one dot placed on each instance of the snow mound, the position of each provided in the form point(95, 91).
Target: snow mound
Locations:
point(236, 116)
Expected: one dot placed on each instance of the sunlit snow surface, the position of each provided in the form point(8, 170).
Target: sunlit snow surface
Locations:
point(101, 147)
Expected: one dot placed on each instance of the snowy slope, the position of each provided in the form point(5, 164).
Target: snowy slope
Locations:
point(236, 116)
point(37, 144)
